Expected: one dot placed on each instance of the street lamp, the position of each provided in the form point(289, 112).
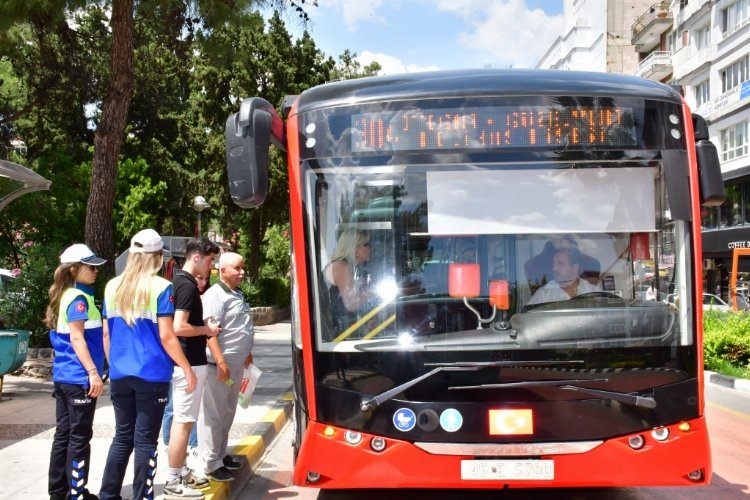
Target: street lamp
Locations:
point(199, 205)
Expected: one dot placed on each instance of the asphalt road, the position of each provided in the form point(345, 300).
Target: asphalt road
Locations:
point(728, 416)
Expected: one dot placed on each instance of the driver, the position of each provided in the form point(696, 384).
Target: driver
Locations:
point(566, 266)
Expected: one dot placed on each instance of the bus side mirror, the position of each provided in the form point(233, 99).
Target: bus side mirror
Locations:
point(249, 134)
point(709, 168)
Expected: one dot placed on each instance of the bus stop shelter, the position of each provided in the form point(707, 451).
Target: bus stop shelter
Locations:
point(17, 180)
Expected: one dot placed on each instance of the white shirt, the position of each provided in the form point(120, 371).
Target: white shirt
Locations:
point(552, 292)
point(235, 317)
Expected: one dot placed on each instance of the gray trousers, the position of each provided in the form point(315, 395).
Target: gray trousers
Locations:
point(218, 407)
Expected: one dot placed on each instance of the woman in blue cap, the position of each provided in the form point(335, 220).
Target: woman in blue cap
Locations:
point(78, 340)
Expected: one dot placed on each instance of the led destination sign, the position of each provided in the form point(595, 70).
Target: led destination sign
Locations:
point(493, 127)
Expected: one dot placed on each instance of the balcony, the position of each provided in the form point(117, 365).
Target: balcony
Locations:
point(657, 66)
point(647, 29)
point(692, 8)
point(690, 63)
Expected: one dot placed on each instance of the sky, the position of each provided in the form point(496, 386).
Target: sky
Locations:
point(421, 35)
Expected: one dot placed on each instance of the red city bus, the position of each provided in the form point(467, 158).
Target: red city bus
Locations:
point(496, 232)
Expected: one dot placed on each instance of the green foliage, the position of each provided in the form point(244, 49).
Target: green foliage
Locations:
point(726, 341)
point(276, 251)
point(193, 63)
point(267, 291)
point(138, 200)
point(23, 304)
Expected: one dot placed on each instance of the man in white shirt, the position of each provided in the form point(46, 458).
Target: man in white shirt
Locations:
point(566, 269)
point(224, 304)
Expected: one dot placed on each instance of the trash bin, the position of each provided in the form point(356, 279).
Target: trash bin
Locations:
point(14, 346)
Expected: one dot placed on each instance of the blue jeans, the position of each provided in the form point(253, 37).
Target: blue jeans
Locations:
point(166, 424)
point(139, 408)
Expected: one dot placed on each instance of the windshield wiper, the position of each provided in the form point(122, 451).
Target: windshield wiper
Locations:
point(381, 398)
point(629, 399)
point(461, 366)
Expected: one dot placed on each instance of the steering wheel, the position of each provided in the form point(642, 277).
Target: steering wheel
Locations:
point(591, 295)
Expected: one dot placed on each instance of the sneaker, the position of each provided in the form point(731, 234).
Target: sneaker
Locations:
point(195, 482)
point(221, 474)
point(231, 463)
point(176, 489)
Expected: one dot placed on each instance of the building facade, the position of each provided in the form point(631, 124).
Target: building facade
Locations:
point(596, 37)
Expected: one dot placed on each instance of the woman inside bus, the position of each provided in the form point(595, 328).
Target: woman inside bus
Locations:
point(344, 294)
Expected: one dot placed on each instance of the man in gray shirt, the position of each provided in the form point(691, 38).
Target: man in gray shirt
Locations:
point(224, 304)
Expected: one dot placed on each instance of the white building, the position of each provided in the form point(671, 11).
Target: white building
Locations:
point(596, 36)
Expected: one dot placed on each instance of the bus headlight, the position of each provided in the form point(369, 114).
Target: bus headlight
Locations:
point(636, 442)
point(353, 437)
point(660, 434)
point(377, 444)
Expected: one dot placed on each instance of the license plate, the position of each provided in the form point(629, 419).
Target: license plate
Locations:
point(508, 469)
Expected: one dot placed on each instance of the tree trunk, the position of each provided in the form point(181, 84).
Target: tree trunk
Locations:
point(109, 135)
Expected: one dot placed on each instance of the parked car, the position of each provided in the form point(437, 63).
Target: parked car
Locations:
point(711, 302)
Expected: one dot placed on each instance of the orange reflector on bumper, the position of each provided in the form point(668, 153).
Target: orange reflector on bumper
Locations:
point(507, 422)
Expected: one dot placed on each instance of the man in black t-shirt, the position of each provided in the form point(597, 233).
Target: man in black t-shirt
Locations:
point(192, 332)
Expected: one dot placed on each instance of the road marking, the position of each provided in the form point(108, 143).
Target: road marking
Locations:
point(728, 410)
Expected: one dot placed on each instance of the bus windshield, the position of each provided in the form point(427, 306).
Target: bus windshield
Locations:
point(497, 252)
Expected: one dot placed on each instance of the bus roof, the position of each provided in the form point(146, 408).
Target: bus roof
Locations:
point(481, 82)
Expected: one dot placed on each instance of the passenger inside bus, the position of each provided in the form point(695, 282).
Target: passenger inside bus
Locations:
point(566, 264)
point(345, 295)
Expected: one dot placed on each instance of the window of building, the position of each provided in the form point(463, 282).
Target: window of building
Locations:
point(734, 16)
point(731, 209)
point(709, 217)
point(702, 93)
point(703, 38)
point(733, 75)
point(734, 141)
point(746, 189)
point(672, 41)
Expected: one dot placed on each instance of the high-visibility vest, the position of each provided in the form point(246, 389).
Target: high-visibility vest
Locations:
point(136, 350)
point(67, 368)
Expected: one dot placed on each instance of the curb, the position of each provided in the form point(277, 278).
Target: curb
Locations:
point(251, 448)
point(729, 382)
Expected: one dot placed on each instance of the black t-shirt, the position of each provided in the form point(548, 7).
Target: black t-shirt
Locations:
point(187, 298)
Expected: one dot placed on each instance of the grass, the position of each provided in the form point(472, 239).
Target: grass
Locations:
point(724, 367)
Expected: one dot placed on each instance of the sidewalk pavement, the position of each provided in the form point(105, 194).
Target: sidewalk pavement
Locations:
point(27, 426)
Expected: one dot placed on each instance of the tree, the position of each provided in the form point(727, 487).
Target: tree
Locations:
point(115, 101)
point(349, 68)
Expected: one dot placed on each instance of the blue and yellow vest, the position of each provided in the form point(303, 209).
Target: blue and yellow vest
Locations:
point(136, 350)
point(66, 367)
